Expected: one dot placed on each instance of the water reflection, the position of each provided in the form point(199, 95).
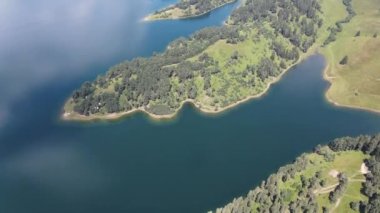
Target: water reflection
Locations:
point(42, 41)
point(61, 169)
point(193, 165)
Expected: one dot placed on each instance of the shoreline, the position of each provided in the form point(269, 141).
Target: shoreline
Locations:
point(335, 103)
point(199, 107)
point(206, 109)
point(149, 19)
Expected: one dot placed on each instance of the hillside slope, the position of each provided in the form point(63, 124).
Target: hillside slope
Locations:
point(219, 67)
point(356, 83)
point(215, 68)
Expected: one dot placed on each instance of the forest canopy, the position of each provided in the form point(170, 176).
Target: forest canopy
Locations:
point(214, 67)
point(307, 185)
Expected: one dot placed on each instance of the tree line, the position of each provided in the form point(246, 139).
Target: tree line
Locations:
point(269, 198)
point(195, 7)
point(334, 30)
point(149, 82)
point(201, 6)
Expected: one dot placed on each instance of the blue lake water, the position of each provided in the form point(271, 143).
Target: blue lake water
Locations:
point(194, 163)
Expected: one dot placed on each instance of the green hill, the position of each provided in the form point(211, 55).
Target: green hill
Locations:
point(219, 67)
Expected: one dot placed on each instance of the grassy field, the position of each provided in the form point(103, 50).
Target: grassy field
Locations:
point(348, 163)
point(232, 85)
point(356, 84)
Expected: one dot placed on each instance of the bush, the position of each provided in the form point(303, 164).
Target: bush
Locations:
point(344, 60)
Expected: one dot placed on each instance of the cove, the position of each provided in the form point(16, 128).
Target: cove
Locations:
point(194, 163)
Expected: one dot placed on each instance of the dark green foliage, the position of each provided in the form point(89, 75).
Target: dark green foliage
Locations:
point(368, 145)
point(338, 25)
point(84, 91)
point(235, 55)
point(326, 153)
point(267, 68)
point(119, 88)
point(84, 107)
point(110, 101)
point(325, 209)
point(340, 189)
point(161, 109)
point(344, 60)
point(373, 205)
point(355, 206)
point(202, 6)
point(143, 81)
point(281, 51)
point(268, 197)
point(192, 94)
point(281, 14)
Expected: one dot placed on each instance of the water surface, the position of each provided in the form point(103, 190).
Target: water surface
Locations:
point(192, 164)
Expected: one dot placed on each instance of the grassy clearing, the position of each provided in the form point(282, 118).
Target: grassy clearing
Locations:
point(356, 84)
point(232, 84)
point(348, 163)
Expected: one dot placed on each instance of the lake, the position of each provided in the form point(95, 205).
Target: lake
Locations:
point(193, 163)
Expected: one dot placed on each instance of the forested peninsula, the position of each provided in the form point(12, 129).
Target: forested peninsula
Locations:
point(219, 67)
point(343, 176)
point(187, 9)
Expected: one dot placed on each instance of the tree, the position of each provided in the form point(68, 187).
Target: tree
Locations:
point(340, 189)
point(344, 60)
point(269, 197)
point(373, 205)
point(294, 25)
point(193, 92)
point(235, 55)
point(325, 209)
point(354, 206)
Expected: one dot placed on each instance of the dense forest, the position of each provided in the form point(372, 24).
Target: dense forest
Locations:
point(214, 68)
point(306, 185)
point(201, 6)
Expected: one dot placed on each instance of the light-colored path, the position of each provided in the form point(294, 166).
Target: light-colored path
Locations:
point(334, 173)
point(336, 205)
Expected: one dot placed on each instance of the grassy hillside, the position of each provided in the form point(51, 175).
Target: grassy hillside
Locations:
point(187, 9)
point(340, 177)
point(356, 83)
point(219, 67)
point(215, 68)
